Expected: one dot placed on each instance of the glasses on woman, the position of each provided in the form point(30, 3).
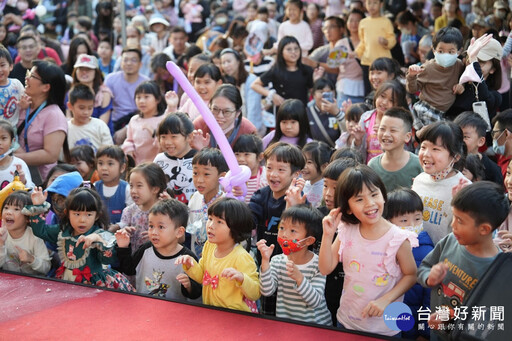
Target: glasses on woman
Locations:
point(225, 112)
point(30, 75)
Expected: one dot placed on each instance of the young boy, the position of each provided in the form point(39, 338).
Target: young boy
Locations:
point(208, 165)
point(105, 60)
point(294, 273)
point(11, 89)
point(82, 128)
point(153, 263)
point(474, 129)
point(396, 166)
point(458, 260)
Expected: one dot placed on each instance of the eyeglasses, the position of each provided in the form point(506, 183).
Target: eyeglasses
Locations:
point(225, 112)
point(130, 60)
point(30, 75)
point(26, 47)
point(498, 133)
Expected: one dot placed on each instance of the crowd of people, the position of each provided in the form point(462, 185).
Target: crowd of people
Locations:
point(378, 136)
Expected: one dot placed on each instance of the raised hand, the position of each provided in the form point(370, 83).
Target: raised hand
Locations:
point(199, 141)
point(233, 275)
point(172, 100)
point(265, 251)
point(122, 238)
point(415, 70)
point(476, 45)
point(38, 196)
point(186, 260)
point(21, 173)
point(330, 222)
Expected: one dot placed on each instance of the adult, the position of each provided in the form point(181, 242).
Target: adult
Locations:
point(159, 28)
point(48, 47)
point(42, 127)
point(77, 47)
point(178, 43)
point(134, 38)
point(451, 11)
point(28, 50)
point(226, 105)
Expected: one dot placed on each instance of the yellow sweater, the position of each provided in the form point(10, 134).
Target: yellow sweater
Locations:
point(370, 29)
point(228, 293)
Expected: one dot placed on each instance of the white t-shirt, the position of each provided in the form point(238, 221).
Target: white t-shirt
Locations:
point(6, 177)
point(110, 191)
point(95, 134)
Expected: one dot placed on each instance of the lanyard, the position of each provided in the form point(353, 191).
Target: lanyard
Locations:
point(28, 123)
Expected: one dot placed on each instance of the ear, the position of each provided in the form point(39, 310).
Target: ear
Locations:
point(485, 229)
point(408, 137)
point(323, 167)
point(310, 241)
point(123, 166)
point(260, 157)
point(481, 141)
point(296, 174)
point(222, 174)
point(155, 190)
point(46, 87)
point(180, 232)
point(457, 157)
point(70, 107)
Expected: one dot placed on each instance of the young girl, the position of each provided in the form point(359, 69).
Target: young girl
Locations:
point(113, 191)
point(82, 157)
point(352, 118)
point(389, 94)
point(248, 151)
point(296, 27)
point(442, 153)
point(20, 250)
point(228, 273)
point(317, 155)
point(174, 134)
point(314, 15)
point(8, 162)
point(84, 247)
point(373, 279)
point(381, 70)
point(292, 125)
point(146, 181)
point(141, 142)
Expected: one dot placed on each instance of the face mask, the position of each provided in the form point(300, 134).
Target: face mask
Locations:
point(416, 229)
point(497, 148)
point(445, 59)
point(442, 174)
point(500, 14)
point(406, 31)
point(290, 246)
point(22, 6)
point(221, 21)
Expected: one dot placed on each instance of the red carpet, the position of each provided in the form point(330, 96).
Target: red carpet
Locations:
point(36, 309)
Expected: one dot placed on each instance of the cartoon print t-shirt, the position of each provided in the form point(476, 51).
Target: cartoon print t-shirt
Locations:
point(10, 94)
point(179, 174)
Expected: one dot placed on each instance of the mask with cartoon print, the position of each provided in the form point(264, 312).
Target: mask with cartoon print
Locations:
point(291, 245)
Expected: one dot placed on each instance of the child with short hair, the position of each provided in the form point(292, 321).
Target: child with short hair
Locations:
point(8, 162)
point(396, 167)
point(82, 128)
point(11, 89)
point(317, 155)
point(294, 274)
point(154, 262)
point(248, 151)
point(352, 118)
point(227, 271)
point(82, 157)
point(105, 52)
point(460, 259)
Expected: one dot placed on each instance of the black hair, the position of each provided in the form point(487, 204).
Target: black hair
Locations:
point(113, 152)
point(355, 111)
point(451, 138)
point(338, 166)
point(285, 152)
point(231, 93)
point(80, 91)
point(85, 21)
point(448, 35)
point(280, 65)
point(337, 20)
point(4, 53)
point(8, 127)
point(18, 199)
point(60, 167)
point(153, 174)
point(83, 153)
point(402, 201)
point(242, 74)
point(132, 49)
point(504, 118)
point(248, 143)
point(307, 215)
point(405, 17)
point(240, 224)
point(72, 55)
point(152, 88)
point(318, 151)
point(211, 157)
point(209, 69)
point(174, 209)
point(25, 37)
point(492, 207)
point(472, 119)
point(178, 29)
point(398, 93)
point(321, 83)
point(176, 123)
point(351, 183)
point(292, 109)
point(85, 199)
point(262, 10)
point(347, 152)
point(53, 75)
point(159, 60)
point(475, 166)
point(391, 66)
point(96, 83)
point(402, 114)
point(494, 79)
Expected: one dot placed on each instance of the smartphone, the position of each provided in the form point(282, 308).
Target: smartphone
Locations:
point(328, 96)
point(481, 109)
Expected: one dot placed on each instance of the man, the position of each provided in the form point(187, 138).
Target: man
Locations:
point(44, 49)
point(134, 38)
point(178, 43)
point(28, 48)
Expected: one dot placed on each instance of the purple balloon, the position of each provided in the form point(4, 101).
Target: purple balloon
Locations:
point(237, 175)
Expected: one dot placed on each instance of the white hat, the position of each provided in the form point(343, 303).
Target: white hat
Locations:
point(156, 19)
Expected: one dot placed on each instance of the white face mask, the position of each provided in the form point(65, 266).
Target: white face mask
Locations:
point(22, 6)
point(416, 229)
point(500, 14)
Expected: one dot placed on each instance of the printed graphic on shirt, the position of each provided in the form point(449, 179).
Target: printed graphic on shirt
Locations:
point(433, 210)
point(154, 286)
point(7, 106)
point(179, 179)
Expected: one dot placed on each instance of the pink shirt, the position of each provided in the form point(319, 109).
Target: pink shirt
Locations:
point(141, 138)
point(190, 108)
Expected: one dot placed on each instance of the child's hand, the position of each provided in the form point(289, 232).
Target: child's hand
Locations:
point(293, 195)
point(237, 191)
point(266, 251)
point(172, 100)
point(415, 70)
point(199, 141)
point(375, 308)
point(122, 238)
point(330, 107)
point(331, 221)
point(38, 196)
point(25, 256)
point(130, 230)
point(383, 42)
point(504, 240)
point(186, 260)
point(318, 73)
point(21, 173)
point(185, 281)
point(164, 196)
point(458, 89)
point(352, 55)
point(233, 275)
point(144, 236)
point(476, 45)
point(88, 240)
point(3, 236)
point(345, 105)
point(358, 132)
point(437, 274)
point(24, 102)
point(463, 182)
point(113, 228)
point(293, 272)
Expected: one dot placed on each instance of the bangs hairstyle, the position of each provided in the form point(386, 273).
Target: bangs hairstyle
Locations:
point(451, 138)
point(174, 209)
point(176, 123)
point(61, 167)
point(403, 114)
point(321, 83)
point(319, 152)
point(471, 119)
point(209, 69)
point(475, 166)
point(398, 93)
point(292, 109)
point(211, 157)
point(336, 167)
point(448, 35)
point(355, 111)
point(52, 74)
point(307, 215)
point(280, 64)
point(231, 93)
point(80, 91)
point(113, 152)
point(287, 153)
point(86, 199)
point(153, 174)
point(17, 198)
point(402, 201)
point(492, 207)
point(389, 65)
point(347, 152)
point(4, 53)
point(248, 143)
point(152, 88)
point(7, 127)
point(83, 153)
point(240, 224)
point(351, 183)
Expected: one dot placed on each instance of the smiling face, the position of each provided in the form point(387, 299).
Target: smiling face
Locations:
point(28, 50)
point(279, 176)
point(5, 69)
point(205, 86)
point(163, 233)
point(377, 77)
point(5, 141)
point(109, 170)
point(434, 157)
point(229, 113)
point(328, 192)
point(291, 53)
point(175, 145)
point(310, 172)
point(81, 221)
point(472, 140)
point(385, 101)
point(13, 220)
point(83, 167)
point(292, 11)
point(130, 63)
point(229, 64)
point(353, 23)
point(508, 181)
point(251, 160)
point(34, 84)
point(392, 134)
point(85, 75)
point(147, 104)
point(367, 206)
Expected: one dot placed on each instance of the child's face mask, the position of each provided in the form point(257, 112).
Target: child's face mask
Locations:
point(416, 229)
point(290, 246)
point(445, 59)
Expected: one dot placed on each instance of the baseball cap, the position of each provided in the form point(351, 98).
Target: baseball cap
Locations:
point(156, 19)
point(492, 50)
point(85, 60)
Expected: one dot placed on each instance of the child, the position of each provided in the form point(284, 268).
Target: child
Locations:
point(105, 60)
point(113, 191)
point(20, 250)
point(141, 142)
point(441, 155)
point(84, 247)
point(146, 181)
point(228, 273)
point(295, 26)
point(208, 165)
point(396, 167)
point(294, 273)
point(11, 89)
point(373, 279)
point(292, 125)
point(404, 208)
point(174, 134)
point(8, 162)
point(317, 155)
point(474, 129)
point(248, 151)
point(352, 118)
point(460, 259)
point(153, 262)
point(82, 157)
point(82, 128)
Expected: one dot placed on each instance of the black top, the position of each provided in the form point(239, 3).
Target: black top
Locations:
point(19, 72)
point(291, 84)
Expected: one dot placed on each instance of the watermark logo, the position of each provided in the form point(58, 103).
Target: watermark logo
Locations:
point(398, 316)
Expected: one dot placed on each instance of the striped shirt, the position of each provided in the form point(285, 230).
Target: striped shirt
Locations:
point(306, 302)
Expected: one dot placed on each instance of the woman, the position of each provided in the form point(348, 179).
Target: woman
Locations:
point(226, 105)
point(42, 127)
point(78, 46)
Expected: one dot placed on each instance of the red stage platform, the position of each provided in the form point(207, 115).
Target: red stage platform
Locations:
point(41, 309)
